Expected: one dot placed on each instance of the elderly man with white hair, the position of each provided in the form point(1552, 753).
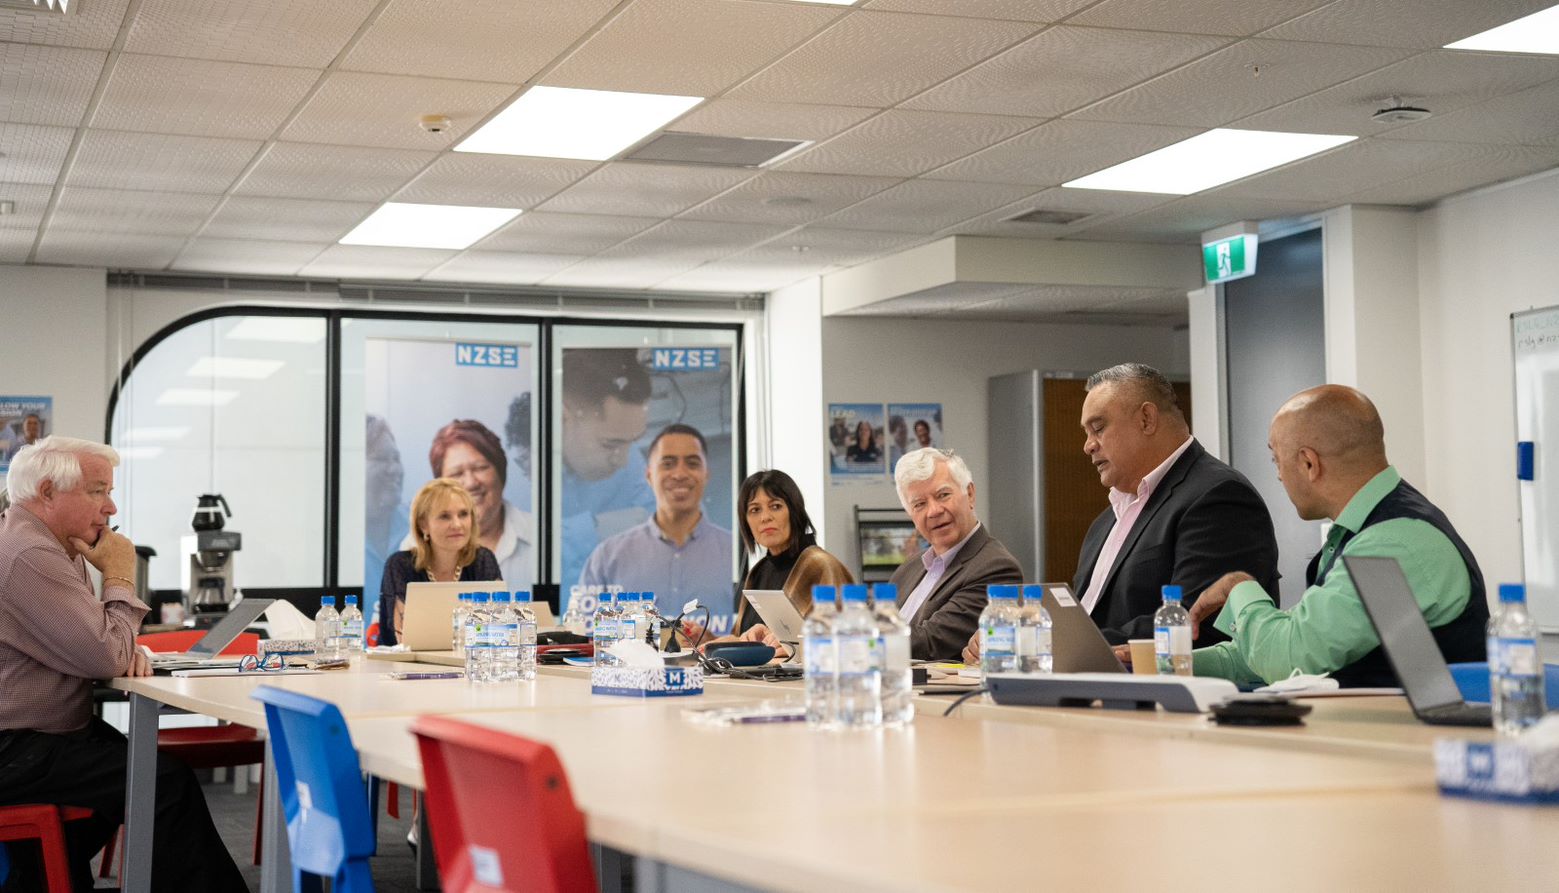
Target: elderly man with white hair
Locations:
point(942, 590)
point(56, 637)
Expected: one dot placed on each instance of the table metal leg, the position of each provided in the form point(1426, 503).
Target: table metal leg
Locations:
point(140, 794)
point(610, 865)
point(275, 857)
point(427, 865)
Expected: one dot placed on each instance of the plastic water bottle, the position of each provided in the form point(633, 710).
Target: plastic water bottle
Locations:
point(898, 705)
point(478, 641)
point(1517, 683)
point(525, 624)
point(457, 623)
point(604, 631)
point(630, 617)
point(860, 666)
point(1172, 635)
point(575, 619)
point(505, 636)
point(820, 659)
point(352, 630)
point(1034, 651)
point(327, 630)
point(999, 630)
point(654, 621)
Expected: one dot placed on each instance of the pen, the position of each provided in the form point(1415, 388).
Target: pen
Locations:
point(427, 675)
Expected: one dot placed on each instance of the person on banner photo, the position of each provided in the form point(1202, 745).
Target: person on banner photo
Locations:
point(923, 434)
point(384, 513)
point(32, 429)
point(864, 449)
point(678, 553)
point(606, 395)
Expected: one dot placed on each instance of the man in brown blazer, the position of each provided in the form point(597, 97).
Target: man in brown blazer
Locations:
point(942, 590)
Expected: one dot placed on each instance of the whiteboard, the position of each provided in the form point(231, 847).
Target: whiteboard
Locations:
point(1535, 350)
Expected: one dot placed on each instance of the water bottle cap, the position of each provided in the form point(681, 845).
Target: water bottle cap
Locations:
point(647, 596)
point(351, 601)
point(521, 595)
point(327, 601)
point(822, 593)
point(479, 597)
point(1002, 592)
point(1512, 592)
point(499, 596)
point(854, 592)
point(885, 593)
point(1173, 593)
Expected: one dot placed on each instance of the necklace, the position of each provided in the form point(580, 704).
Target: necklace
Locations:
point(433, 579)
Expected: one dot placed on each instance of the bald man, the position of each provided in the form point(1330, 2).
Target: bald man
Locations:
point(1329, 448)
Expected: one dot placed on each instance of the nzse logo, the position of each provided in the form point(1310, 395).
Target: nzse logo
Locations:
point(681, 359)
point(500, 356)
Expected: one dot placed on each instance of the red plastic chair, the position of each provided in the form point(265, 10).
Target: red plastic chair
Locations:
point(46, 824)
point(500, 811)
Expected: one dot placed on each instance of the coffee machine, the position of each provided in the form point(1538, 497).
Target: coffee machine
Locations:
point(206, 573)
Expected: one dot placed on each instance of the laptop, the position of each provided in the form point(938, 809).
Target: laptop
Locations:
point(776, 612)
point(1076, 645)
point(429, 607)
point(205, 653)
point(1410, 646)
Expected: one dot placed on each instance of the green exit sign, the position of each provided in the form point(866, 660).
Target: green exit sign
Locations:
point(1231, 258)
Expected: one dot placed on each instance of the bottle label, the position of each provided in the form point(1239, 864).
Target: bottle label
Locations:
point(506, 634)
point(821, 659)
point(1492, 649)
point(1043, 636)
point(895, 653)
point(857, 655)
point(1028, 641)
point(1171, 641)
point(998, 639)
point(528, 632)
point(352, 629)
point(1518, 657)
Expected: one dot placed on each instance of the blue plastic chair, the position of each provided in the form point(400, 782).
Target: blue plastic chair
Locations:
point(321, 787)
point(1473, 680)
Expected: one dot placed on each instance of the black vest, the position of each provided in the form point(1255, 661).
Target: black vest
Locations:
point(1463, 639)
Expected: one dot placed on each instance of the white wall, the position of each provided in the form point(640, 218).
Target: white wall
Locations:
point(53, 328)
point(795, 377)
point(870, 360)
point(1481, 257)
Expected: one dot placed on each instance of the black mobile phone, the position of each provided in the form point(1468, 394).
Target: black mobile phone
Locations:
point(1259, 710)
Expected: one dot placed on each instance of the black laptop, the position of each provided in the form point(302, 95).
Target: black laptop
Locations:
point(1410, 646)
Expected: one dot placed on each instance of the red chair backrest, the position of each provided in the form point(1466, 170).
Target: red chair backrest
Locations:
point(184, 639)
point(501, 811)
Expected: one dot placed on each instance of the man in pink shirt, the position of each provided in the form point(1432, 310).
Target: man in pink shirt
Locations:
point(56, 637)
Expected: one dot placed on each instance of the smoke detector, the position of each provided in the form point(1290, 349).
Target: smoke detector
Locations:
point(1398, 112)
point(435, 123)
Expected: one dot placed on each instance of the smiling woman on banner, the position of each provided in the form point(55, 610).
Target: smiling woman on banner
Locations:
point(445, 549)
point(468, 451)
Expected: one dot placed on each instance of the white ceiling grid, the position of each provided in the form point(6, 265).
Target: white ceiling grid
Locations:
point(246, 136)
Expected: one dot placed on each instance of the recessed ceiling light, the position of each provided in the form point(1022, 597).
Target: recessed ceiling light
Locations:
point(1207, 160)
point(402, 225)
point(234, 367)
point(564, 122)
point(153, 434)
point(195, 397)
point(279, 329)
point(1536, 33)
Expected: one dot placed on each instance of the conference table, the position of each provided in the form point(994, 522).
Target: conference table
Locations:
point(991, 797)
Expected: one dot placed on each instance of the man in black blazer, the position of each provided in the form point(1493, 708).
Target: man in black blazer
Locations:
point(942, 590)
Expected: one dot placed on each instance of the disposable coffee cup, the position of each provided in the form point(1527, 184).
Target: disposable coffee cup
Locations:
point(1144, 657)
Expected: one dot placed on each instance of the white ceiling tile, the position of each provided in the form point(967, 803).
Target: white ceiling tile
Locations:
point(1500, 163)
point(1240, 80)
point(283, 32)
point(357, 109)
point(162, 94)
point(925, 206)
point(688, 47)
point(880, 58)
point(94, 26)
point(1424, 24)
point(480, 40)
point(727, 278)
point(114, 251)
point(1062, 150)
point(16, 244)
point(771, 120)
point(698, 240)
point(630, 273)
point(501, 267)
point(544, 233)
point(1184, 220)
point(47, 85)
point(1350, 168)
point(839, 247)
point(284, 219)
point(1017, 10)
point(114, 159)
point(631, 189)
point(299, 170)
point(144, 213)
point(1202, 16)
point(905, 143)
point(374, 262)
point(1441, 81)
point(1528, 117)
point(1098, 204)
point(788, 198)
point(246, 257)
point(493, 181)
point(32, 153)
point(31, 201)
point(1062, 69)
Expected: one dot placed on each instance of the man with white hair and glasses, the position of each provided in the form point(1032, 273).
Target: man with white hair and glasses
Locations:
point(56, 637)
point(942, 590)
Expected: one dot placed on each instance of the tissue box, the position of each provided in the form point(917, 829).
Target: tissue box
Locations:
point(647, 682)
point(1504, 770)
point(287, 647)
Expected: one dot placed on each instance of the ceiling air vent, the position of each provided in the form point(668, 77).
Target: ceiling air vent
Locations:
point(1049, 218)
point(57, 7)
point(720, 151)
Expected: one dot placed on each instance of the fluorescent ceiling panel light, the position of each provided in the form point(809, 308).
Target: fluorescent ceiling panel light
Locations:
point(278, 329)
point(564, 122)
point(233, 367)
point(1208, 160)
point(195, 397)
point(1536, 33)
point(152, 434)
point(402, 225)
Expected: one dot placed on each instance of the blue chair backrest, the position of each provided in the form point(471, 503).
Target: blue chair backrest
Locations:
point(319, 781)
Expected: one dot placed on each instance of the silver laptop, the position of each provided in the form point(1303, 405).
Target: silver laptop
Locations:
point(429, 607)
point(205, 653)
point(776, 611)
point(1076, 645)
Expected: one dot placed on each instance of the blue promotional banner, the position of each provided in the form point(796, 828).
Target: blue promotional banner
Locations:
point(23, 420)
point(856, 447)
point(912, 426)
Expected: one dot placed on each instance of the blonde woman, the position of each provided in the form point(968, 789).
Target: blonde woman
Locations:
point(445, 548)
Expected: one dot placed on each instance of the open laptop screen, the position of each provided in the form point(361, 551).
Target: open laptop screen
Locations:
point(1405, 635)
point(239, 616)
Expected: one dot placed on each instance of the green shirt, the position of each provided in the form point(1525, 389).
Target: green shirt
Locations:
point(1328, 629)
